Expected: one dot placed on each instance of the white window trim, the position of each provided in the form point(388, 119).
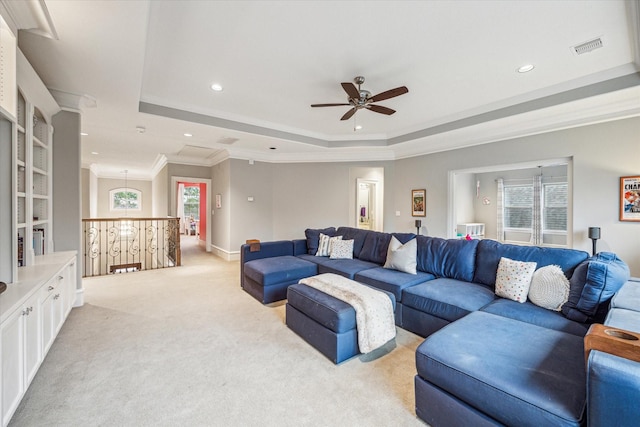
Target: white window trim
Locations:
point(113, 192)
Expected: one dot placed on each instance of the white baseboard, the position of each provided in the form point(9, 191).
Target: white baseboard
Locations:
point(79, 302)
point(224, 254)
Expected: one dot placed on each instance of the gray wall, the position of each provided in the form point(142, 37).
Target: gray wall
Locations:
point(602, 153)
point(67, 194)
point(86, 192)
point(107, 184)
point(288, 198)
point(221, 221)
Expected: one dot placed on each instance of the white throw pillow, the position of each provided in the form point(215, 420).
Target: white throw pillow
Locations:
point(324, 244)
point(402, 257)
point(342, 249)
point(549, 288)
point(513, 279)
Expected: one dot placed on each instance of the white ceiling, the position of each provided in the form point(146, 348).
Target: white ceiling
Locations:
point(275, 58)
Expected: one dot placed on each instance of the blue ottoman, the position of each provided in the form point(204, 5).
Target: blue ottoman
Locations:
point(325, 322)
point(267, 279)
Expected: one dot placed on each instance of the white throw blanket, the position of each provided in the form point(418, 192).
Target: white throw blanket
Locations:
point(374, 311)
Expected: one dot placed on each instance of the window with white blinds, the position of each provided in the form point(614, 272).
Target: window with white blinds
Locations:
point(520, 205)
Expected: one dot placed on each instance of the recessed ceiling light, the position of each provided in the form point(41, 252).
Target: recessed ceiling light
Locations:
point(358, 127)
point(95, 153)
point(141, 129)
point(272, 148)
point(216, 87)
point(188, 135)
point(84, 134)
point(526, 68)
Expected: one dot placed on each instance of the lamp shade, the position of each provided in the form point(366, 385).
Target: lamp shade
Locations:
point(594, 232)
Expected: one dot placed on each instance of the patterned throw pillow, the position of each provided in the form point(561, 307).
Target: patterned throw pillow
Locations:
point(549, 288)
point(342, 249)
point(513, 279)
point(325, 244)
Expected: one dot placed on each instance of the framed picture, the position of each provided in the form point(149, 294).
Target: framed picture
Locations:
point(630, 198)
point(419, 202)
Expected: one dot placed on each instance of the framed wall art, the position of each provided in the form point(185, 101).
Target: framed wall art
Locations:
point(419, 202)
point(630, 198)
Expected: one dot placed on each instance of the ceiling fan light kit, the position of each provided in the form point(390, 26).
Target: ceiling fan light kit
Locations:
point(359, 98)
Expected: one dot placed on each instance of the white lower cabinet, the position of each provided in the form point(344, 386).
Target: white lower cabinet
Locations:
point(21, 354)
point(32, 312)
point(51, 306)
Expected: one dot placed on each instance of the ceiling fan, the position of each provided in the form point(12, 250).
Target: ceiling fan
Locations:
point(360, 98)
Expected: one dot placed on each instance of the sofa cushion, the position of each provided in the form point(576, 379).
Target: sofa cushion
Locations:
point(375, 246)
point(623, 319)
point(345, 267)
point(402, 257)
point(271, 271)
point(357, 235)
point(513, 279)
point(549, 288)
point(448, 299)
point(517, 373)
point(313, 237)
point(391, 280)
point(490, 252)
point(593, 283)
point(531, 313)
point(451, 258)
point(628, 296)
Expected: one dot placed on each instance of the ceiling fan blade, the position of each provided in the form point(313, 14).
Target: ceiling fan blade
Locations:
point(389, 94)
point(380, 109)
point(348, 114)
point(328, 105)
point(351, 90)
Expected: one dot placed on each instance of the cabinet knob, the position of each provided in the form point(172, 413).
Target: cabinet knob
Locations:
point(60, 277)
point(50, 288)
point(25, 312)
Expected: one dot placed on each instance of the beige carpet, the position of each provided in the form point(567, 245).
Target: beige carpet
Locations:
point(187, 346)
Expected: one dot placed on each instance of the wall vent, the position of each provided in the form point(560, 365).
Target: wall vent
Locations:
point(587, 47)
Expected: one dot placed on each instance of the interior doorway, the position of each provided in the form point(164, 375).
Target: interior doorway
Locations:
point(191, 200)
point(368, 205)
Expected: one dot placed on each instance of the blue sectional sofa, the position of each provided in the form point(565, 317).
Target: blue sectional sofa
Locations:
point(486, 360)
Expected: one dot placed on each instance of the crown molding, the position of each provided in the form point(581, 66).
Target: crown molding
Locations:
point(74, 102)
point(159, 163)
point(32, 16)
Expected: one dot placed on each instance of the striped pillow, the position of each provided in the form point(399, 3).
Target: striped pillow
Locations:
point(325, 244)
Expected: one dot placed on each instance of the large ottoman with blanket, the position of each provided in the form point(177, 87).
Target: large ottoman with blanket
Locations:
point(336, 328)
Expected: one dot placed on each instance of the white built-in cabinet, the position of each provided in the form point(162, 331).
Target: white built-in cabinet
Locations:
point(32, 312)
point(33, 182)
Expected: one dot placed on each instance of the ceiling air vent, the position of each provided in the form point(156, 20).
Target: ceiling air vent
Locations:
point(587, 47)
point(227, 140)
